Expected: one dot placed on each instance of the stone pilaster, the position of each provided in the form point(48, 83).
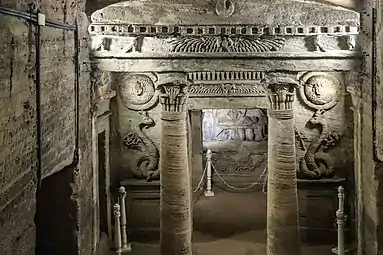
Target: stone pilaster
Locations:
point(356, 108)
point(282, 198)
point(176, 219)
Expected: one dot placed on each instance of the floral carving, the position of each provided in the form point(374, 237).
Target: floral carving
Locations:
point(225, 89)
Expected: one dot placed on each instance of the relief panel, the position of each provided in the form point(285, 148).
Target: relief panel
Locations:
point(137, 125)
point(238, 140)
point(324, 126)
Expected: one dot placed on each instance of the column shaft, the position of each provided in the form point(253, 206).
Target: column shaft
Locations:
point(176, 221)
point(282, 198)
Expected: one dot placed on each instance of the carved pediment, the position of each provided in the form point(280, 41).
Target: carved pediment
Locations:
point(260, 12)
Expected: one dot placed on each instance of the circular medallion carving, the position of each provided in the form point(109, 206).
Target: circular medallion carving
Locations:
point(138, 92)
point(320, 91)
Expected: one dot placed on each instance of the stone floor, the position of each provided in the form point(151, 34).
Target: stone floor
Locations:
point(228, 224)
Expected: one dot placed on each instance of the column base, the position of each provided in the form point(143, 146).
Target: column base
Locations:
point(348, 250)
point(127, 249)
point(209, 193)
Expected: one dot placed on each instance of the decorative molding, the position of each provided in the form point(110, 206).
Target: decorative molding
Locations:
point(201, 30)
point(227, 44)
point(224, 90)
point(137, 91)
point(204, 77)
point(320, 90)
point(173, 97)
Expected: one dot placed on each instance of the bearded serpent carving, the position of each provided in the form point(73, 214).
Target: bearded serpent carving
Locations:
point(316, 164)
point(147, 155)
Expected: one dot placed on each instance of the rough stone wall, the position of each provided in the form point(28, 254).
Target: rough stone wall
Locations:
point(372, 178)
point(18, 156)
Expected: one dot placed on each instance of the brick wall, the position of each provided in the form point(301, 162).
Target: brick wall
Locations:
point(18, 156)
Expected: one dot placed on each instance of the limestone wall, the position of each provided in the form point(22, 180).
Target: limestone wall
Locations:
point(18, 172)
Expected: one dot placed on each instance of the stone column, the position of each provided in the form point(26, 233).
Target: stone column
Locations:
point(356, 108)
point(282, 198)
point(176, 220)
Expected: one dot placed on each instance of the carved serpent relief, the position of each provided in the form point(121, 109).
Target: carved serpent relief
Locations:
point(147, 155)
point(227, 44)
point(316, 164)
point(138, 91)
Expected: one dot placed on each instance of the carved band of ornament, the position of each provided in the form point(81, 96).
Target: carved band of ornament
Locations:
point(226, 89)
point(227, 44)
point(173, 97)
point(281, 96)
point(225, 76)
point(167, 30)
point(281, 114)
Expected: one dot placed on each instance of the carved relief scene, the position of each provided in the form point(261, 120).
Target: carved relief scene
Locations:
point(238, 141)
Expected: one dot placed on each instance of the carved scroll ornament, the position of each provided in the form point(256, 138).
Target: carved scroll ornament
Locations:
point(244, 44)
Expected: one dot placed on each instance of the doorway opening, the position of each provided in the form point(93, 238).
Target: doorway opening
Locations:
point(237, 139)
point(55, 218)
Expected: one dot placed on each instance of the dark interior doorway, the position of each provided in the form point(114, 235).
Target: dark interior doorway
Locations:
point(55, 215)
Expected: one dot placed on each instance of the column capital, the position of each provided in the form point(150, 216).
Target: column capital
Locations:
point(281, 97)
point(173, 96)
point(356, 97)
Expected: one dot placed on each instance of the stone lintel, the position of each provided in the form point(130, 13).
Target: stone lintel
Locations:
point(210, 65)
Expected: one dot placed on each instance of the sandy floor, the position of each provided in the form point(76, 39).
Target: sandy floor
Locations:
point(227, 224)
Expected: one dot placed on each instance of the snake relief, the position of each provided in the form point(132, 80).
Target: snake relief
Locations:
point(146, 153)
point(316, 164)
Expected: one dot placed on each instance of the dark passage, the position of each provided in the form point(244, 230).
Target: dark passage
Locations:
point(55, 214)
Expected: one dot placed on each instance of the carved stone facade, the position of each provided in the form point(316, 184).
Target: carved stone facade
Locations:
point(239, 55)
